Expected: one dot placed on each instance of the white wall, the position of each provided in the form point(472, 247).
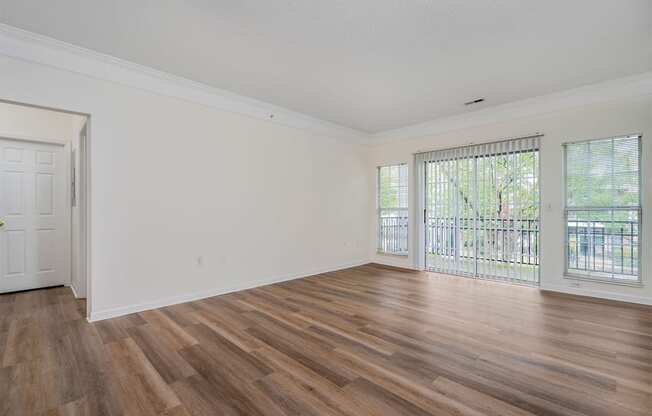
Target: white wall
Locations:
point(18, 121)
point(597, 121)
point(172, 181)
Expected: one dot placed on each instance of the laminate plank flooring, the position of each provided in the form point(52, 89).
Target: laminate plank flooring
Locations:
point(369, 340)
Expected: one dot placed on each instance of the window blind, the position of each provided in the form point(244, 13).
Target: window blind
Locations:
point(481, 210)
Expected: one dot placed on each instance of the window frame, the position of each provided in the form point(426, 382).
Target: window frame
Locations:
point(379, 208)
point(568, 273)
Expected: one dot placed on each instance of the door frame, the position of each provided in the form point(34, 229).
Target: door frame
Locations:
point(83, 192)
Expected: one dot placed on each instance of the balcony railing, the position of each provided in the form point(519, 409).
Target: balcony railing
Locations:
point(609, 247)
point(603, 246)
point(393, 231)
point(498, 239)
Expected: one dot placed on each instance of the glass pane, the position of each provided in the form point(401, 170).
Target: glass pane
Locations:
point(603, 173)
point(393, 209)
point(604, 244)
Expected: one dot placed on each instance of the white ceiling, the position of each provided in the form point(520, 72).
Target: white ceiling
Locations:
point(372, 65)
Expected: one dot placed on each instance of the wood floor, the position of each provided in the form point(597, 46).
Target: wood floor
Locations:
point(363, 341)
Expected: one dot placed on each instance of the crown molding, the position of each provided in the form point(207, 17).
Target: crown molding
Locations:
point(621, 88)
point(28, 46)
point(33, 47)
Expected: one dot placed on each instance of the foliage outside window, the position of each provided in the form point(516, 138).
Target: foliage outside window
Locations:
point(393, 209)
point(603, 209)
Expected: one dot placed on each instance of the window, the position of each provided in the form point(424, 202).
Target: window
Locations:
point(603, 209)
point(393, 209)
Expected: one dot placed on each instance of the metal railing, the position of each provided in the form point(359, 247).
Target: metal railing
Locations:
point(496, 239)
point(393, 231)
point(603, 246)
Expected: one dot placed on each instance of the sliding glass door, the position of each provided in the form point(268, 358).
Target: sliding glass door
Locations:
point(481, 215)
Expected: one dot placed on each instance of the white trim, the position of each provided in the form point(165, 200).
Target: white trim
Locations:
point(188, 297)
point(68, 209)
point(633, 86)
point(74, 291)
point(33, 47)
point(33, 139)
point(598, 294)
point(394, 261)
point(571, 277)
point(84, 193)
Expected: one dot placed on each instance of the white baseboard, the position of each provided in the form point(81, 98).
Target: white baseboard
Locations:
point(74, 291)
point(393, 261)
point(188, 297)
point(599, 294)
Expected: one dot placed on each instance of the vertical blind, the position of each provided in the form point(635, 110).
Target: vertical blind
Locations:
point(481, 210)
point(603, 208)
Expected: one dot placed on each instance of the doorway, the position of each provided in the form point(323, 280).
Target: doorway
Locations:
point(43, 199)
point(481, 210)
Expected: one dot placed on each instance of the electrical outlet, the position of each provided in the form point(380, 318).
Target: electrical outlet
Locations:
point(200, 261)
point(575, 284)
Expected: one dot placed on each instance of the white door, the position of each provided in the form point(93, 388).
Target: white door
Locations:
point(35, 240)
